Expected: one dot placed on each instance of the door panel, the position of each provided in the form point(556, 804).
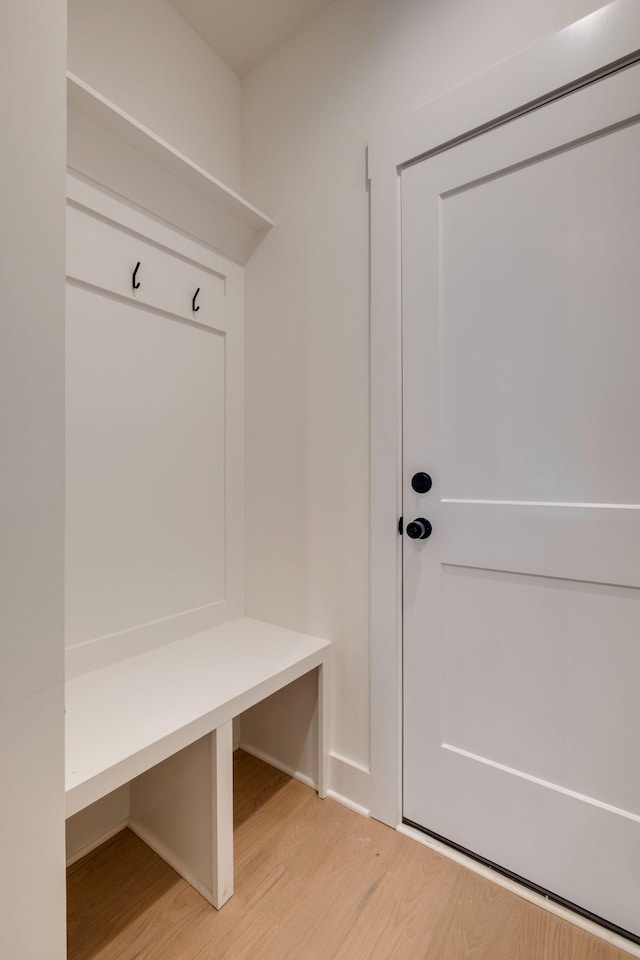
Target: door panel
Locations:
point(522, 610)
point(566, 699)
point(544, 425)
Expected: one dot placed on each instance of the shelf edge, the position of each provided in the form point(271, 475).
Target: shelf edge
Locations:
point(98, 108)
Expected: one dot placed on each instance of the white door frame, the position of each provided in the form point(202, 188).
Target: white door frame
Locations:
point(581, 51)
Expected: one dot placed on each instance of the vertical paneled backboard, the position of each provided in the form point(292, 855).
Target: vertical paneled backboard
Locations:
point(154, 432)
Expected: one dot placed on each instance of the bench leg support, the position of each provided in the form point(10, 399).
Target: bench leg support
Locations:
point(323, 727)
point(222, 813)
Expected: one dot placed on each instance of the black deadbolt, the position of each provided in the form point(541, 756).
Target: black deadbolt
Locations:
point(419, 529)
point(421, 482)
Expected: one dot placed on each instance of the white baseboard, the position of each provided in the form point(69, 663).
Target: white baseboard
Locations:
point(95, 842)
point(521, 891)
point(274, 762)
point(349, 781)
point(350, 804)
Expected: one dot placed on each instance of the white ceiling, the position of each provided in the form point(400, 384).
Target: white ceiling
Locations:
point(243, 32)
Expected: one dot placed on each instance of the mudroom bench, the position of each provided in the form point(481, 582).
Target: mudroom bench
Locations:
point(129, 716)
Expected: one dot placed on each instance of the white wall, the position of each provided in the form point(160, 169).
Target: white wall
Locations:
point(308, 110)
point(32, 165)
point(143, 56)
point(426, 47)
point(307, 563)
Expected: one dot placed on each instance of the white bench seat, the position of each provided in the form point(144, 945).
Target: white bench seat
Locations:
point(126, 717)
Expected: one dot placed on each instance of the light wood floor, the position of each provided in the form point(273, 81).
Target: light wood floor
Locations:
point(314, 881)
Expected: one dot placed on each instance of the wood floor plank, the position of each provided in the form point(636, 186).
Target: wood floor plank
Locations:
point(267, 895)
point(481, 921)
point(401, 916)
point(109, 894)
point(538, 939)
point(331, 898)
point(314, 881)
point(264, 812)
point(309, 836)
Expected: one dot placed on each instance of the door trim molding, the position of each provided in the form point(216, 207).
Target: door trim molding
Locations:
point(590, 47)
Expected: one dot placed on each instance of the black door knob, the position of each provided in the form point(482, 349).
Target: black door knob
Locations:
point(421, 482)
point(419, 529)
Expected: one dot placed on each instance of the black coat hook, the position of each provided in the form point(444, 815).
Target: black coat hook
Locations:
point(133, 278)
point(193, 302)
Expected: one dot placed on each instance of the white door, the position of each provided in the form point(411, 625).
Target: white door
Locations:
point(521, 313)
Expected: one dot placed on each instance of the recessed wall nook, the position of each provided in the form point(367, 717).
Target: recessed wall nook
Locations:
point(159, 657)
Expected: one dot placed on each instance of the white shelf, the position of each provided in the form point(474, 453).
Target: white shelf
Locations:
point(97, 108)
